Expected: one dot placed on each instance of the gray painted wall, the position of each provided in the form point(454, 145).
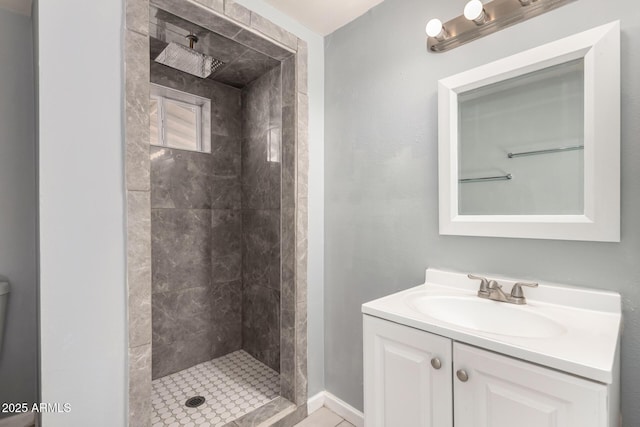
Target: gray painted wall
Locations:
point(381, 176)
point(83, 332)
point(18, 196)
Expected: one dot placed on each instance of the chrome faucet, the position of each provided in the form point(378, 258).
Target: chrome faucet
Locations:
point(491, 289)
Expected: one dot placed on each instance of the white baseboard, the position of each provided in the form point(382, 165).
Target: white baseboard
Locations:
point(337, 405)
point(315, 402)
point(27, 419)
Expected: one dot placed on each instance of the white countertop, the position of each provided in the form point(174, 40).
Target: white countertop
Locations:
point(592, 320)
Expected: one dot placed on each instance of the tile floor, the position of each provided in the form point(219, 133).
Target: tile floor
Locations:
point(323, 417)
point(233, 385)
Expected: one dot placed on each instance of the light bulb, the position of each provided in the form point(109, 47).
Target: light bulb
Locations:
point(436, 30)
point(474, 11)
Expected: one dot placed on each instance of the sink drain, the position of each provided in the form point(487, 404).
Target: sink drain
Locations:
point(194, 402)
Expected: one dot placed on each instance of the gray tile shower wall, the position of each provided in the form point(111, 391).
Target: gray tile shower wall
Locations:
point(180, 249)
point(261, 170)
point(181, 283)
point(196, 231)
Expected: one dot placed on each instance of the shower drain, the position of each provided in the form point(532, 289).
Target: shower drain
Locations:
point(194, 402)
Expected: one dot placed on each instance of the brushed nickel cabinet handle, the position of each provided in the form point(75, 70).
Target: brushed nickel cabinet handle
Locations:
point(436, 363)
point(462, 375)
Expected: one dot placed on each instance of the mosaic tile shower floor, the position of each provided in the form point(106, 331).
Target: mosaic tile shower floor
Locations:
point(233, 385)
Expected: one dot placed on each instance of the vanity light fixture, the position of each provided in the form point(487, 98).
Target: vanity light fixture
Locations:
point(474, 11)
point(436, 30)
point(479, 20)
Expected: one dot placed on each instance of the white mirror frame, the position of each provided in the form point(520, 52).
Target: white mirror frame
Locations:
point(600, 48)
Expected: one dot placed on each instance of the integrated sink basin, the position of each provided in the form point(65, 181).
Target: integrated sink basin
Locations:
point(568, 328)
point(487, 316)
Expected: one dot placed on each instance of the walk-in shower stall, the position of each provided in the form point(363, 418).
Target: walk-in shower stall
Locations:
point(226, 324)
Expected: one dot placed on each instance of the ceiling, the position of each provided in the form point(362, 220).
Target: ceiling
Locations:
point(320, 16)
point(324, 16)
point(23, 7)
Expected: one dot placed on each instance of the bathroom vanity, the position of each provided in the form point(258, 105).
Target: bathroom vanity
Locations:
point(438, 355)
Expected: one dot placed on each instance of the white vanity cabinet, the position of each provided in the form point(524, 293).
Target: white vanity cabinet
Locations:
point(466, 386)
point(505, 392)
point(401, 385)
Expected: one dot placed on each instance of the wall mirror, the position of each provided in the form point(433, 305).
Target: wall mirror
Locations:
point(529, 146)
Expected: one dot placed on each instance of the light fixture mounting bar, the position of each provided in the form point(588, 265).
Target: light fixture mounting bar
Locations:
point(500, 14)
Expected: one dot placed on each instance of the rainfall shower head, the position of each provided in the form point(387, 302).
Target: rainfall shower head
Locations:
point(188, 60)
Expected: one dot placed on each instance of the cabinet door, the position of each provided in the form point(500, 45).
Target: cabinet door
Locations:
point(401, 387)
point(504, 392)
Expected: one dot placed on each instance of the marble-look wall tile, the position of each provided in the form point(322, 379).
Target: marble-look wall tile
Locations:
point(277, 407)
point(256, 107)
point(180, 179)
point(217, 5)
point(226, 192)
point(260, 178)
point(226, 111)
point(226, 321)
point(272, 30)
point(226, 245)
point(136, 112)
point(289, 82)
point(288, 164)
point(303, 146)
point(193, 12)
point(261, 324)
point(302, 176)
point(226, 155)
point(261, 170)
point(262, 45)
point(139, 267)
point(178, 314)
point(262, 142)
point(137, 16)
point(181, 249)
point(246, 68)
point(287, 346)
point(301, 353)
point(182, 354)
point(302, 67)
point(302, 224)
point(288, 260)
point(140, 386)
point(238, 12)
point(274, 79)
point(261, 248)
point(293, 418)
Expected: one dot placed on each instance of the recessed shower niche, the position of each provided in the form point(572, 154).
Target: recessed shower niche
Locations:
point(228, 329)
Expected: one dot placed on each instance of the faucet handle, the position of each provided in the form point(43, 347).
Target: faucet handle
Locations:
point(484, 284)
point(516, 291)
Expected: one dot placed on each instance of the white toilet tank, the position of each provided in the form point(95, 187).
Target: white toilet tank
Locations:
point(4, 296)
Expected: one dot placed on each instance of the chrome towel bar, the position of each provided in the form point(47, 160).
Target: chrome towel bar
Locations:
point(550, 150)
point(486, 179)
